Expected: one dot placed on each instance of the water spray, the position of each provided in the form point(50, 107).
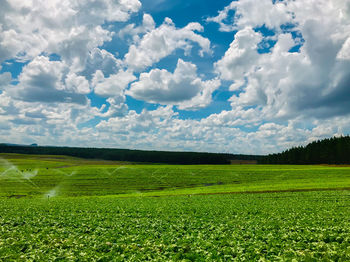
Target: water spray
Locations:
point(12, 172)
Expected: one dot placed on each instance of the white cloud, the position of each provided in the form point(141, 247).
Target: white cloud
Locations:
point(42, 80)
point(241, 57)
point(161, 128)
point(7, 106)
point(5, 80)
point(344, 53)
point(77, 84)
point(117, 107)
point(100, 59)
point(282, 99)
point(203, 97)
point(183, 87)
point(69, 28)
point(75, 48)
point(148, 25)
point(112, 86)
point(40, 121)
point(251, 13)
point(163, 41)
point(50, 93)
point(283, 85)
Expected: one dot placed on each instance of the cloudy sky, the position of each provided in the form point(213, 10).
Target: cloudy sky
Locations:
point(241, 76)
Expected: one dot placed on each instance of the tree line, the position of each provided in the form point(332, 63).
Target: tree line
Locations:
point(335, 150)
point(142, 156)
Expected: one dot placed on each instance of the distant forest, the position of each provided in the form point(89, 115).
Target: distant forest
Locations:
point(164, 157)
point(334, 150)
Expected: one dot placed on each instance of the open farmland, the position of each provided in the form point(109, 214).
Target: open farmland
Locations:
point(99, 211)
point(40, 176)
point(307, 226)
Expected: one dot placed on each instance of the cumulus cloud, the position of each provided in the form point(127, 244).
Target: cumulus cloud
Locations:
point(241, 57)
point(78, 84)
point(44, 122)
point(69, 28)
point(295, 91)
point(163, 41)
point(252, 14)
point(117, 107)
point(5, 80)
point(203, 97)
point(102, 60)
point(52, 94)
point(312, 81)
point(162, 128)
point(344, 53)
point(114, 85)
point(183, 87)
point(148, 25)
point(113, 88)
point(48, 81)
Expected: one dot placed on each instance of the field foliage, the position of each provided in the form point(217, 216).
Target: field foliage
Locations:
point(306, 226)
point(40, 176)
point(57, 208)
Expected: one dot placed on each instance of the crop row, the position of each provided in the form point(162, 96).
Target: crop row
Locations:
point(309, 226)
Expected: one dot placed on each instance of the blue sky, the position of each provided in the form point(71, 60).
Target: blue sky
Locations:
point(244, 76)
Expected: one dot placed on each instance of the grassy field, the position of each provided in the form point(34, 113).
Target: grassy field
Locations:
point(40, 176)
point(100, 211)
point(306, 226)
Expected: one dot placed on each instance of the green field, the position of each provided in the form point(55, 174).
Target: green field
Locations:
point(114, 211)
point(39, 176)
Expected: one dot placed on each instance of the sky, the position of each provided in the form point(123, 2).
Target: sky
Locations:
point(246, 76)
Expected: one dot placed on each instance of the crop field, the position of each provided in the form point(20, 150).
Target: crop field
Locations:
point(42, 176)
point(57, 208)
point(307, 226)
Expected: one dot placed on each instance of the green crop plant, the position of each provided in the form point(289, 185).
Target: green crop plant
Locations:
point(42, 176)
point(57, 208)
point(305, 226)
